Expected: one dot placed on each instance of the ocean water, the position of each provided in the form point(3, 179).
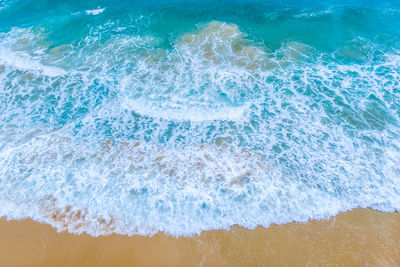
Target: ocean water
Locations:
point(135, 117)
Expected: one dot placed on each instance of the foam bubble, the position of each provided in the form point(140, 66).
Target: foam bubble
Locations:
point(184, 111)
point(95, 12)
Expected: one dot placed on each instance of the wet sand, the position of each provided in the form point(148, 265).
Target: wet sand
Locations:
point(356, 238)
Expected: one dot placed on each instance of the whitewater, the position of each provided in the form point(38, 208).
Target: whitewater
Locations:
point(186, 116)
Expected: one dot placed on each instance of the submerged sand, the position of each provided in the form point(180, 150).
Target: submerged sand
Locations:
point(356, 238)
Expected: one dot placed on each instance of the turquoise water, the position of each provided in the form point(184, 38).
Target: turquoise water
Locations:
point(184, 116)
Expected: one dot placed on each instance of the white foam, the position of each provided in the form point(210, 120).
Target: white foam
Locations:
point(187, 111)
point(23, 62)
point(95, 12)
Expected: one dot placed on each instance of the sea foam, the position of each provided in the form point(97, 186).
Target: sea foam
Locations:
point(121, 135)
point(95, 12)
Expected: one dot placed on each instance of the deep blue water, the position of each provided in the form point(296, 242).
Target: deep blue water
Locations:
point(182, 116)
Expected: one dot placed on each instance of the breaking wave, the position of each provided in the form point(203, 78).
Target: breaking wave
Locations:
point(124, 135)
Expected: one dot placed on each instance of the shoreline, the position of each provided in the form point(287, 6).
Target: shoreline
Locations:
point(358, 237)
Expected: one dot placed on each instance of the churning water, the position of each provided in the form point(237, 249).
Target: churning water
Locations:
point(184, 116)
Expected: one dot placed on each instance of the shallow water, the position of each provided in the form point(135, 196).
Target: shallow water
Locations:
point(184, 116)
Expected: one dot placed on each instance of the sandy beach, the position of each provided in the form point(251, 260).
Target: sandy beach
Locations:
point(356, 238)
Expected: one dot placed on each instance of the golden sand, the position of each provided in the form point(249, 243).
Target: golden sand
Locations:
point(356, 238)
